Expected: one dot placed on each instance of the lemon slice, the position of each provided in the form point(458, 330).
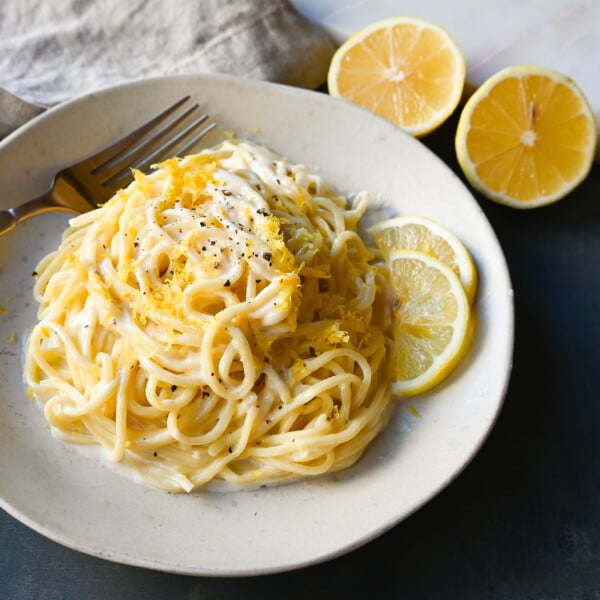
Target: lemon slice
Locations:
point(431, 321)
point(425, 235)
point(526, 137)
point(405, 69)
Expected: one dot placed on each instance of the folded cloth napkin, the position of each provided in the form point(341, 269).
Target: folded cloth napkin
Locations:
point(52, 51)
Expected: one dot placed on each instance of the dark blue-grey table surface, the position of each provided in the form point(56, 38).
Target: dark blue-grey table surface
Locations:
point(521, 522)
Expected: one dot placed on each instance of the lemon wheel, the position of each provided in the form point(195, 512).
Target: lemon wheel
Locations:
point(426, 235)
point(431, 321)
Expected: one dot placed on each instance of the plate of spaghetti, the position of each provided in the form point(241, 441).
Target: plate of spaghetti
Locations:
point(203, 362)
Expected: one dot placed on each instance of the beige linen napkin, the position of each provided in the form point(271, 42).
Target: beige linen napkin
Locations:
point(54, 50)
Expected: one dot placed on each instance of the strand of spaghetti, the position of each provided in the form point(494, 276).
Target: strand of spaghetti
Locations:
point(207, 360)
point(120, 438)
point(359, 423)
point(177, 399)
point(235, 441)
point(294, 468)
point(222, 423)
point(75, 362)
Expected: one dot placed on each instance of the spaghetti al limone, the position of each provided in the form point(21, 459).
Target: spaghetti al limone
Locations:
point(215, 321)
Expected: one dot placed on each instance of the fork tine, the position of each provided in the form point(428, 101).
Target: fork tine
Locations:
point(149, 147)
point(111, 153)
point(170, 148)
point(185, 149)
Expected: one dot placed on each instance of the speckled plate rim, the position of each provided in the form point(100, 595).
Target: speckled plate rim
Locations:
point(79, 502)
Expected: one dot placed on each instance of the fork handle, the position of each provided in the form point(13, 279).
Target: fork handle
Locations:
point(48, 202)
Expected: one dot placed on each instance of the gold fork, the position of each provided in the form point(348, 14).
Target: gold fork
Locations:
point(91, 182)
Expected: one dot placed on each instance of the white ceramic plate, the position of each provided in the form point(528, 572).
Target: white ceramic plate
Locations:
point(76, 501)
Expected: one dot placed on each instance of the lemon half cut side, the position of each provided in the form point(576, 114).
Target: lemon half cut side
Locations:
point(527, 137)
point(406, 69)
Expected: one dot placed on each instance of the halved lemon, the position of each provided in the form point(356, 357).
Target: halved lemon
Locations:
point(431, 321)
point(428, 236)
point(405, 69)
point(526, 137)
